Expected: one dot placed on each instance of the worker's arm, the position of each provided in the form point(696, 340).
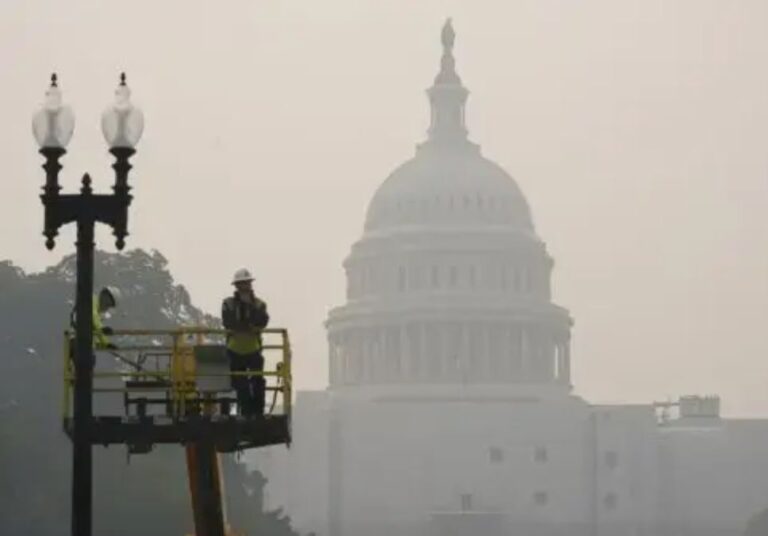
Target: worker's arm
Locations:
point(230, 318)
point(260, 314)
point(227, 315)
point(252, 316)
point(100, 339)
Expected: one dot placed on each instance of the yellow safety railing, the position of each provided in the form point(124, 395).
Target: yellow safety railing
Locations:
point(176, 372)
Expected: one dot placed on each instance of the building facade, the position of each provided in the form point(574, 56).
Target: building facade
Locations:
point(450, 408)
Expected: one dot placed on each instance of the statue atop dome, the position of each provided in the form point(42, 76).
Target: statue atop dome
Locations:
point(447, 74)
point(448, 95)
point(448, 36)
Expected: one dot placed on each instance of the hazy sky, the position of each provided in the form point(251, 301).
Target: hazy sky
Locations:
point(638, 129)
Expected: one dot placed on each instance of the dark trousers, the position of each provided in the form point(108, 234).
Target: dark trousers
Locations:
point(250, 389)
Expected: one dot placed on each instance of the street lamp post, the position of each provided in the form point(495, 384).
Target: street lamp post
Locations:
point(122, 125)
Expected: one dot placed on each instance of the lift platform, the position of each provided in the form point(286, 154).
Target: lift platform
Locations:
point(175, 387)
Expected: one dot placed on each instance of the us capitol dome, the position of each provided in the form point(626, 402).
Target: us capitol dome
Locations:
point(449, 283)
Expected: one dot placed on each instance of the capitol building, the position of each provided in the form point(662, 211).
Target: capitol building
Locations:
point(450, 409)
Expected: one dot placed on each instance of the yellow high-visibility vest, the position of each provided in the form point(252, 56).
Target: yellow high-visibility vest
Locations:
point(100, 340)
point(244, 343)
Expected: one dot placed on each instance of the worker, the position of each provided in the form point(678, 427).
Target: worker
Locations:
point(105, 300)
point(244, 315)
point(102, 303)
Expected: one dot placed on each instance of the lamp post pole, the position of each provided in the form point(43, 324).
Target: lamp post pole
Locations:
point(53, 126)
point(82, 462)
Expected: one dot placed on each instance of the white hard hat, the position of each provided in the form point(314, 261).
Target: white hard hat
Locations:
point(242, 276)
point(111, 292)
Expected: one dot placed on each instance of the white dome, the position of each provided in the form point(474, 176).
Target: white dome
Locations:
point(448, 186)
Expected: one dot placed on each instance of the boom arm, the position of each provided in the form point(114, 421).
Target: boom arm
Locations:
point(205, 487)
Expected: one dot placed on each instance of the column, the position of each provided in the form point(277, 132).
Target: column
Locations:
point(333, 360)
point(385, 354)
point(550, 352)
point(367, 373)
point(486, 359)
point(352, 359)
point(378, 367)
point(338, 363)
point(446, 355)
point(534, 354)
point(525, 365)
point(567, 362)
point(452, 351)
point(424, 366)
point(406, 372)
point(464, 355)
point(394, 352)
point(373, 364)
point(344, 357)
point(495, 353)
point(515, 354)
